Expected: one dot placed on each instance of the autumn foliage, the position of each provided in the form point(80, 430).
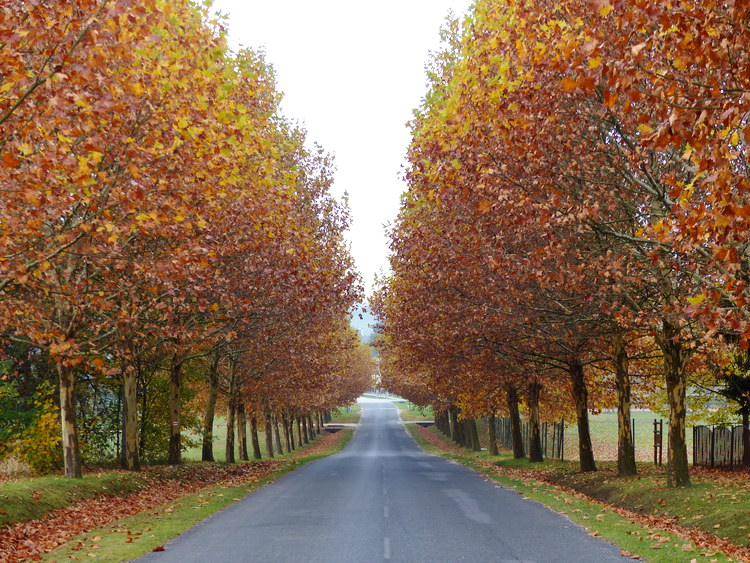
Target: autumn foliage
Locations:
point(576, 214)
point(159, 216)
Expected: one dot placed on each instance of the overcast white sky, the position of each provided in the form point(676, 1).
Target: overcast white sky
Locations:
point(351, 72)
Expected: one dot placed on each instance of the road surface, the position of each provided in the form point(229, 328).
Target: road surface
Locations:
point(384, 499)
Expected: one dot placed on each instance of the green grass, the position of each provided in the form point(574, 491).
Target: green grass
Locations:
point(410, 411)
point(714, 502)
point(347, 415)
point(22, 500)
point(134, 536)
point(220, 443)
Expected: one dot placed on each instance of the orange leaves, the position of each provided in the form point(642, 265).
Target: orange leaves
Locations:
point(568, 84)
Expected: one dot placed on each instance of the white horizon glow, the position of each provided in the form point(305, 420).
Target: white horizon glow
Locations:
point(351, 74)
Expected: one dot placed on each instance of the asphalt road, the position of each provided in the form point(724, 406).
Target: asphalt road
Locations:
point(383, 499)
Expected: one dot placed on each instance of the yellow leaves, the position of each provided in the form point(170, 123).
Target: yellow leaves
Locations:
point(179, 218)
point(5, 87)
point(57, 348)
point(595, 62)
point(697, 299)
point(735, 138)
point(645, 129)
point(137, 89)
point(25, 149)
point(214, 307)
point(605, 11)
point(63, 139)
point(95, 157)
point(484, 206)
point(83, 165)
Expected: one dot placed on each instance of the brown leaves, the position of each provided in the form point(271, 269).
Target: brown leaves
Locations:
point(31, 539)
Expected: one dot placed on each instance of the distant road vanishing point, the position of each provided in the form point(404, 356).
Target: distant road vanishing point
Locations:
point(383, 499)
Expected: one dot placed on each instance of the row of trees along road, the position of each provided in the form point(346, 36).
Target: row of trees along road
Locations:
point(576, 219)
point(157, 211)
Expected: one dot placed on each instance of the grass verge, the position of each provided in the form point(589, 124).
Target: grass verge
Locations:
point(651, 538)
point(134, 536)
point(23, 500)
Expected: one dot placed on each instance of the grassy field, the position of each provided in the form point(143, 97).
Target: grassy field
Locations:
point(411, 412)
point(220, 443)
point(639, 514)
point(604, 436)
point(347, 415)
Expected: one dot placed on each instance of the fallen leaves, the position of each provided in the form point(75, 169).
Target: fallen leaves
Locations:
point(166, 485)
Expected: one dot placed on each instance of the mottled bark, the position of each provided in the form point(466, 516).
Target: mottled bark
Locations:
point(304, 430)
point(625, 446)
point(299, 433)
point(311, 428)
point(207, 453)
point(515, 422)
point(535, 437)
point(492, 441)
point(131, 459)
point(288, 436)
point(231, 416)
point(746, 436)
point(71, 451)
point(175, 389)
point(471, 426)
point(290, 430)
point(676, 380)
point(242, 431)
point(269, 436)
point(254, 434)
point(277, 434)
point(581, 398)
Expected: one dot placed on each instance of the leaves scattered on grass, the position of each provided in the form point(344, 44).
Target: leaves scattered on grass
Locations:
point(166, 485)
point(652, 523)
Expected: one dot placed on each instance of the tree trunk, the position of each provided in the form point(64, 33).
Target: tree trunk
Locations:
point(304, 430)
point(242, 430)
point(231, 416)
point(676, 380)
point(491, 434)
point(71, 451)
point(515, 422)
point(288, 436)
point(130, 458)
point(269, 436)
point(535, 437)
point(452, 425)
point(625, 446)
point(254, 433)
point(290, 429)
point(746, 436)
point(277, 434)
point(581, 397)
point(311, 426)
point(207, 453)
point(475, 444)
point(175, 388)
